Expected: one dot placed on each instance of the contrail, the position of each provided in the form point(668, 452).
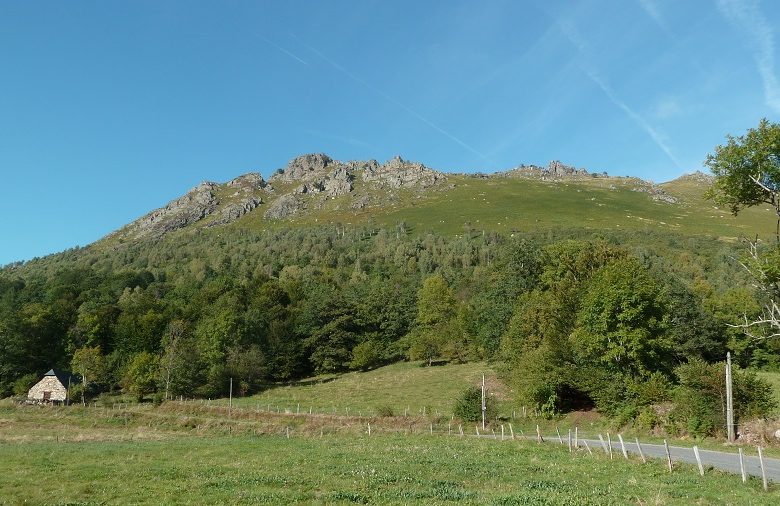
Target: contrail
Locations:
point(283, 50)
point(639, 120)
point(748, 17)
point(570, 32)
point(395, 102)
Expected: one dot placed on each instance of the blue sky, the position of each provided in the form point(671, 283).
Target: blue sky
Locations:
point(109, 109)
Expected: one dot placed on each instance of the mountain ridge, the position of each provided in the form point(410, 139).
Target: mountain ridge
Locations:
point(310, 184)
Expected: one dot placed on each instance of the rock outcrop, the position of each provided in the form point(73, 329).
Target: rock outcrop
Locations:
point(303, 168)
point(318, 174)
point(399, 173)
point(233, 211)
point(308, 182)
point(248, 182)
point(195, 205)
point(284, 207)
point(555, 170)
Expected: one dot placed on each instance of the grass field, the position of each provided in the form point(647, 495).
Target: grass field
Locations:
point(339, 469)
point(518, 204)
point(405, 387)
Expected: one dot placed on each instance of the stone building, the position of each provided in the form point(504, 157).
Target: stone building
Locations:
point(52, 388)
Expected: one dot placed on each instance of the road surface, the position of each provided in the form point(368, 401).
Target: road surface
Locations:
point(725, 461)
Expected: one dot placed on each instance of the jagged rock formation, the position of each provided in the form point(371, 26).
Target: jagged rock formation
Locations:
point(303, 168)
point(283, 207)
point(232, 212)
point(195, 205)
point(318, 174)
point(656, 193)
point(248, 182)
point(307, 183)
point(698, 177)
point(398, 173)
point(554, 170)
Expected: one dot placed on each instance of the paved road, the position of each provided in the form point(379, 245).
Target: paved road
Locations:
point(724, 461)
point(709, 458)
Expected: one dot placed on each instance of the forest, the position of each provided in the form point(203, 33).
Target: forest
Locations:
point(621, 322)
point(575, 319)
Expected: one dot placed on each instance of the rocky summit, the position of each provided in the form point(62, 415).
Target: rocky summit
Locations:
point(315, 185)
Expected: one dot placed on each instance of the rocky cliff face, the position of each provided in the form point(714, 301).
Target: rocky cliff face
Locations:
point(320, 177)
point(311, 181)
point(554, 170)
point(195, 205)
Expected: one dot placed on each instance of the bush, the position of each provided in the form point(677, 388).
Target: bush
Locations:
point(468, 407)
point(699, 401)
point(646, 420)
point(365, 356)
point(384, 411)
point(23, 384)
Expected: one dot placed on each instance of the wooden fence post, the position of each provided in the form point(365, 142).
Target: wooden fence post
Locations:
point(560, 439)
point(587, 447)
point(511, 432)
point(698, 459)
point(502, 432)
point(639, 447)
point(569, 440)
point(609, 444)
point(623, 446)
point(603, 444)
point(539, 438)
point(668, 455)
point(742, 465)
point(763, 469)
point(576, 437)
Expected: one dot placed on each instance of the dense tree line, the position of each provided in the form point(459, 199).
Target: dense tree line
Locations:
point(577, 318)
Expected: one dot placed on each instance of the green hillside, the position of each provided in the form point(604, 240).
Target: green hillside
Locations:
point(510, 204)
point(403, 387)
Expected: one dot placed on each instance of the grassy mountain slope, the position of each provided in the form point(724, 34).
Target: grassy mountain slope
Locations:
point(514, 204)
point(505, 203)
point(400, 387)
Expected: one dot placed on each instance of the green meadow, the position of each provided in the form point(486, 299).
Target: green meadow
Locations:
point(405, 388)
point(509, 204)
point(355, 469)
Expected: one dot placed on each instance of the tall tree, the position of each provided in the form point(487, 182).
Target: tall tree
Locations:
point(436, 322)
point(747, 170)
point(89, 363)
point(747, 173)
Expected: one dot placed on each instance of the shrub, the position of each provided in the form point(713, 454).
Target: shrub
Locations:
point(646, 420)
point(365, 356)
point(384, 411)
point(468, 407)
point(699, 401)
point(23, 384)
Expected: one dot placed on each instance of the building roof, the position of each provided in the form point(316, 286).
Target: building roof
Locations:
point(62, 376)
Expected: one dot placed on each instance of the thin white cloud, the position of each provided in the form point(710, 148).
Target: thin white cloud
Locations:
point(747, 16)
point(657, 138)
point(667, 107)
point(571, 33)
point(283, 50)
point(651, 8)
point(395, 102)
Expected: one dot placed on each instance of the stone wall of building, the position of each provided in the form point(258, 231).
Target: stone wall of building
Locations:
point(48, 384)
